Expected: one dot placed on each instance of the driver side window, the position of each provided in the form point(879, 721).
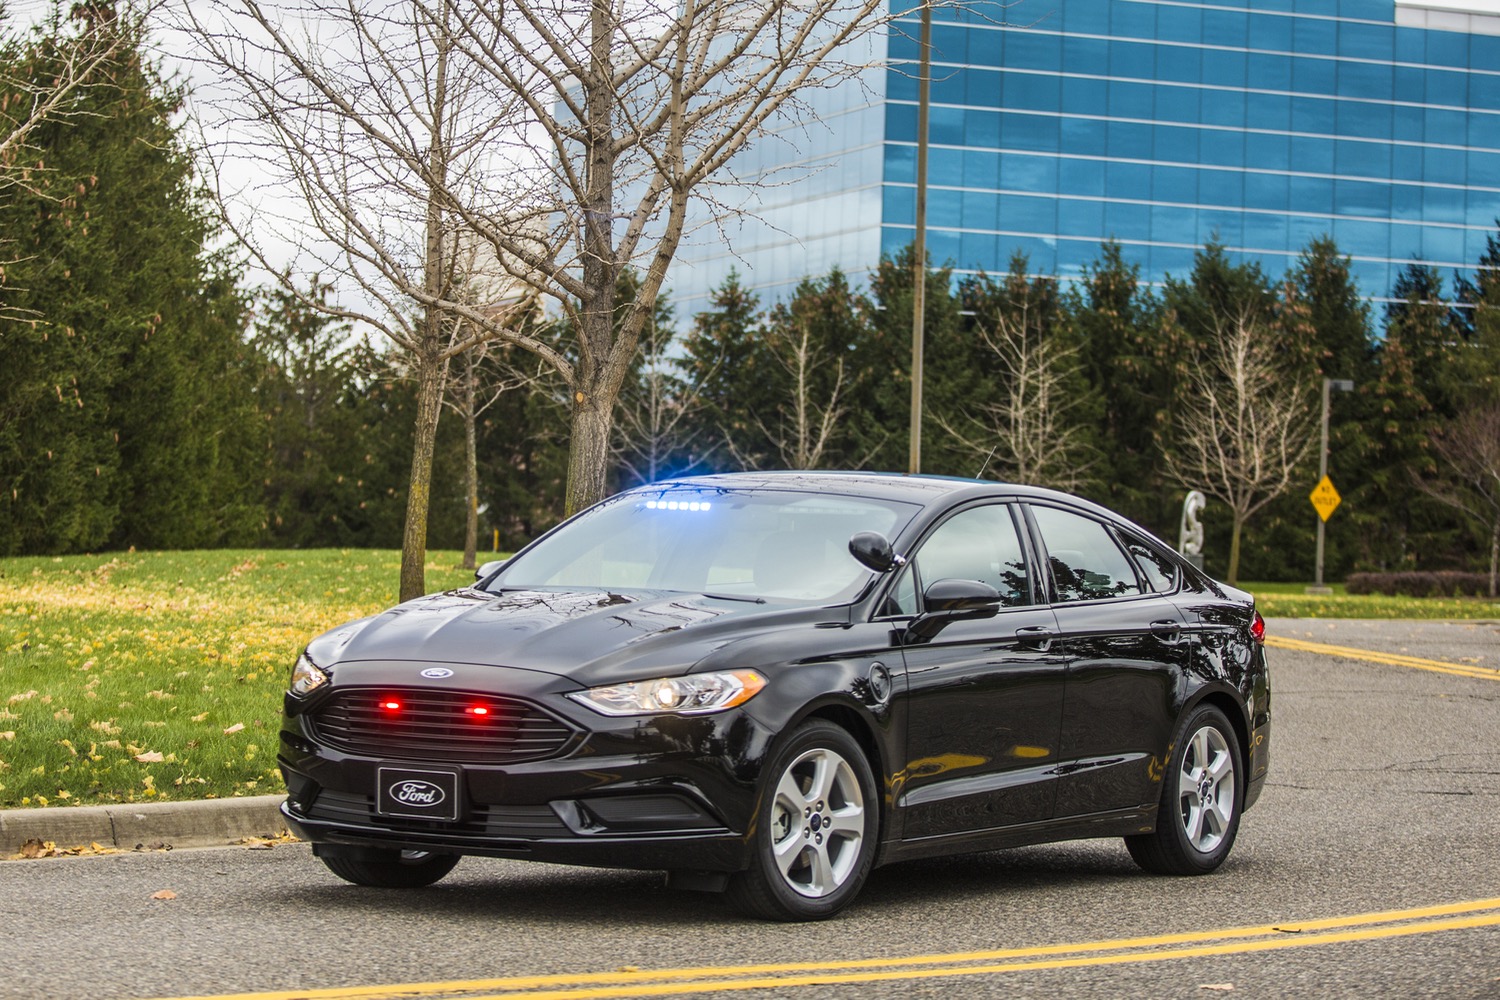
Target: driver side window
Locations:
point(980, 543)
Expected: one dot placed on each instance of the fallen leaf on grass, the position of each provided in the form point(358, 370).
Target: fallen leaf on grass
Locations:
point(9, 734)
point(234, 728)
point(164, 894)
point(149, 757)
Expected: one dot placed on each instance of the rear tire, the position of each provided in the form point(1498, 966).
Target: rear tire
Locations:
point(815, 828)
point(392, 869)
point(1201, 799)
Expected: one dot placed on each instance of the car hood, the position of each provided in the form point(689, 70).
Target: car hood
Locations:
point(589, 636)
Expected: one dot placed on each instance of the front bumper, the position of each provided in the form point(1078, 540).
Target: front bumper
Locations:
point(674, 793)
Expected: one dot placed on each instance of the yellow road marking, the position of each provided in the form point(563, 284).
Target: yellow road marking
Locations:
point(706, 979)
point(1393, 659)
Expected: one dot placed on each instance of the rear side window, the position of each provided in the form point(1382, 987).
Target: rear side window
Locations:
point(1159, 569)
point(1086, 563)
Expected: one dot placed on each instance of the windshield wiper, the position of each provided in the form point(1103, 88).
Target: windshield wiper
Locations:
point(733, 597)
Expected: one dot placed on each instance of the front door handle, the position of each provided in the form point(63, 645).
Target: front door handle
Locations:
point(1038, 636)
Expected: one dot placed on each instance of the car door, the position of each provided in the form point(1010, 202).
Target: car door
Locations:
point(984, 696)
point(1128, 646)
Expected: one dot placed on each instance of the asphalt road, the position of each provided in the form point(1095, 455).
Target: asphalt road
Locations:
point(1383, 797)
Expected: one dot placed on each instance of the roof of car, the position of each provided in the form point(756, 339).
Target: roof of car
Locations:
point(923, 489)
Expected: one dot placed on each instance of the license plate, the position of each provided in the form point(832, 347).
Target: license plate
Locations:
point(414, 793)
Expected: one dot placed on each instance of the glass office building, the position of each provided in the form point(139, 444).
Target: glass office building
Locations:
point(1057, 124)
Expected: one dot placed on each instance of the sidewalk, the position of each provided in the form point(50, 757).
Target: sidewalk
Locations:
point(199, 823)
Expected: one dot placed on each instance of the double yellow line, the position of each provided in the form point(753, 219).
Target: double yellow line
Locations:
point(1394, 659)
point(1119, 951)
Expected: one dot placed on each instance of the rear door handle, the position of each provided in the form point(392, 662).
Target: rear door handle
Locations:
point(1168, 629)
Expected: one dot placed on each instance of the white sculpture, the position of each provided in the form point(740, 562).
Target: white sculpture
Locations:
point(1190, 535)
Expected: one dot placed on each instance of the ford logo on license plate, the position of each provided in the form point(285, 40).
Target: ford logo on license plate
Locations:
point(417, 794)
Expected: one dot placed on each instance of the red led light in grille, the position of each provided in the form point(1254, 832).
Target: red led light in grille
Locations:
point(390, 705)
point(480, 710)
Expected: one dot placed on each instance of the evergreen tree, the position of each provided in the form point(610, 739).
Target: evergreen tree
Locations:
point(1472, 368)
point(129, 413)
point(721, 358)
point(1409, 405)
point(1127, 354)
point(880, 422)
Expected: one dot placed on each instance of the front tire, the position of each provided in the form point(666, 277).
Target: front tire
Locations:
point(815, 828)
point(392, 869)
point(1201, 800)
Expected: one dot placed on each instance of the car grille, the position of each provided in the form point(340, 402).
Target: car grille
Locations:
point(439, 725)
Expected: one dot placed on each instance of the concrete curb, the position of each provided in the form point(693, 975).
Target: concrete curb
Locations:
point(198, 823)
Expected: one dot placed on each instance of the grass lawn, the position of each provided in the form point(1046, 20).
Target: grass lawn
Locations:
point(1289, 600)
point(158, 675)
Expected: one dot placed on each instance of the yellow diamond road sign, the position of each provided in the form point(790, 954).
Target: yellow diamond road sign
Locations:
point(1325, 498)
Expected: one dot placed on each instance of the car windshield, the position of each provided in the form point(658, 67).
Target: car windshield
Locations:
point(776, 545)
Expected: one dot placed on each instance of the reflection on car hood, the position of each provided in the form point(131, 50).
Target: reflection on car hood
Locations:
point(593, 637)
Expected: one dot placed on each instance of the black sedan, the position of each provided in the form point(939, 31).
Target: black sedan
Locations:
point(769, 683)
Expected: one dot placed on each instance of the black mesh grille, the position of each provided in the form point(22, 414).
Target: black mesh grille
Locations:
point(439, 725)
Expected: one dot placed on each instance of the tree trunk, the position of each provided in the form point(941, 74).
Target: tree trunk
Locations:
point(1233, 576)
point(419, 491)
point(1494, 556)
point(471, 469)
point(588, 451)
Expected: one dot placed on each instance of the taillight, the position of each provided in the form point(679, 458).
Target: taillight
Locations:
point(1258, 629)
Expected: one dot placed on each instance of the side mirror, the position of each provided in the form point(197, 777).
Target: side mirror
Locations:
point(488, 568)
point(874, 552)
point(950, 601)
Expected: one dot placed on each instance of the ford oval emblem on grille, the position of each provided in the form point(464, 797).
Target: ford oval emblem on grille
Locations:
point(417, 793)
point(437, 672)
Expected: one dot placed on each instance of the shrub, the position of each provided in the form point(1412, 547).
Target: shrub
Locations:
point(1446, 583)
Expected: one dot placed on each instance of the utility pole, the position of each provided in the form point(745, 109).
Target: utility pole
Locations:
point(919, 246)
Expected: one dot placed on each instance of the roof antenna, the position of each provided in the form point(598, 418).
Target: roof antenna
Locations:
point(986, 465)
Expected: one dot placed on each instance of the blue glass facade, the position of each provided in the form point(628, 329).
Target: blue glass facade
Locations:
point(1163, 125)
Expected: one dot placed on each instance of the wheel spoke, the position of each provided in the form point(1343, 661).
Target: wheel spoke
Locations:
point(789, 795)
point(1216, 818)
point(848, 822)
point(825, 772)
point(821, 877)
point(1201, 752)
point(1193, 823)
point(787, 850)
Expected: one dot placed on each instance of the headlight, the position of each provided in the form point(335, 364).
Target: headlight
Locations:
point(695, 694)
point(306, 677)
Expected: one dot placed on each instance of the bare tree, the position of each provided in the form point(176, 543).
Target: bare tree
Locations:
point(42, 82)
point(654, 425)
point(804, 430)
point(1031, 432)
point(1245, 422)
point(36, 91)
point(481, 378)
point(1468, 473)
point(398, 120)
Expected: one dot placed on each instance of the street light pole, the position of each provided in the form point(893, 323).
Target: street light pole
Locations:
point(1329, 384)
point(919, 247)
